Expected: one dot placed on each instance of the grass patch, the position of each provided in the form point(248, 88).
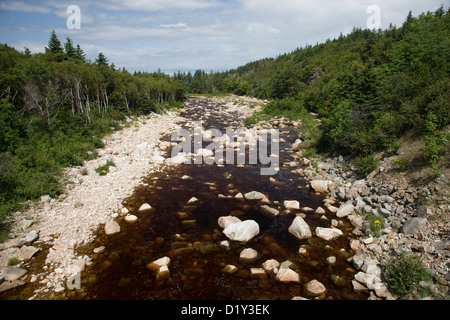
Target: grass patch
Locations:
point(104, 169)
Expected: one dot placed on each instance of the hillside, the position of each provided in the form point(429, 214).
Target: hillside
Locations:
point(369, 88)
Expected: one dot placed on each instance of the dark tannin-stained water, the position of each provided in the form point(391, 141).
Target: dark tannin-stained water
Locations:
point(191, 237)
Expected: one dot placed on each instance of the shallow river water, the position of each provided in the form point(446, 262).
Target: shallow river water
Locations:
point(191, 237)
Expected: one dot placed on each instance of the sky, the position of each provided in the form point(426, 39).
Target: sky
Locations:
point(186, 35)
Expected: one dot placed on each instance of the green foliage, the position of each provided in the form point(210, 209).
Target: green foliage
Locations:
point(435, 142)
point(55, 108)
point(400, 164)
point(403, 274)
point(13, 261)
point(369, 87)
point(288, 107)
point(104, 169)
point(101, 60)
point(376, 223)
point(365, 164)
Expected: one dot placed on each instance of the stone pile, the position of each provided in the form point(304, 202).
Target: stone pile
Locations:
point(407, 225)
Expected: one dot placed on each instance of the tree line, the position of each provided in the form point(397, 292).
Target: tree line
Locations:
point(370, 87)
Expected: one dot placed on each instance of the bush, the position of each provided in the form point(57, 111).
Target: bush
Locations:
point(403, 274)
point(285, 107)
point(104, 169)
point(435, 142)
point(365, 164)
point(400, 164)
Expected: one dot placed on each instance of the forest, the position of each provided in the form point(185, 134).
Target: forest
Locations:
point(55, 108)
point(369, 88)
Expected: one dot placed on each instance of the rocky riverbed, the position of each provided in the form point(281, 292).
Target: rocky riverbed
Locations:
point(312, 237)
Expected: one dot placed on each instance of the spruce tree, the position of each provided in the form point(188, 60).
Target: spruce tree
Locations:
point(101, 60)
point(27, 52)
point(55, 48)
point(69, 49)
point(79, 54)
point(54, 45)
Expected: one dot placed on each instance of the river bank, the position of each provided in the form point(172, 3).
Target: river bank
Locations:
point(54, 229)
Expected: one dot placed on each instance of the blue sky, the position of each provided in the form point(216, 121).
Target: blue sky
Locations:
point(187, 35)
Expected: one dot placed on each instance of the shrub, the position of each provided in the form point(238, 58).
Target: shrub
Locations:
point(400, 164)
point(104, 169)
point(435, 142)
point(403, 274)
point(13, 261)
point(365, 164)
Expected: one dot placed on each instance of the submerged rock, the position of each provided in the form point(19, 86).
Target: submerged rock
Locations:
point(254, 196)
point(269, 211)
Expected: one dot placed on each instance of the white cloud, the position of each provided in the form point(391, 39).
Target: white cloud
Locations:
point(176, 25)
point(261, 29)
point(157, 5)
point(34, 46)
point(23, 7)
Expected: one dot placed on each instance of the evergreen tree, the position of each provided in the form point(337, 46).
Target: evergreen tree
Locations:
point(26, 51)
point(54, 45)
point(55, 48)
point(69, 49)
point(101, 60)
point(79, 54)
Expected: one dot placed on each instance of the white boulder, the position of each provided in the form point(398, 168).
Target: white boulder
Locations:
point(300, 229)
point(242, 231)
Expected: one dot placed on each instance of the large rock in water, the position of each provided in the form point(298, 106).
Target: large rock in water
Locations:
point(300, 229)
point(225, 221)
point(254, 196)
point(291, 204)
point(248, 255)
point(112, 227)
point(313, 289)
point(320, 185)
point(328, 233)
point(287, 275)
point(242, 231)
